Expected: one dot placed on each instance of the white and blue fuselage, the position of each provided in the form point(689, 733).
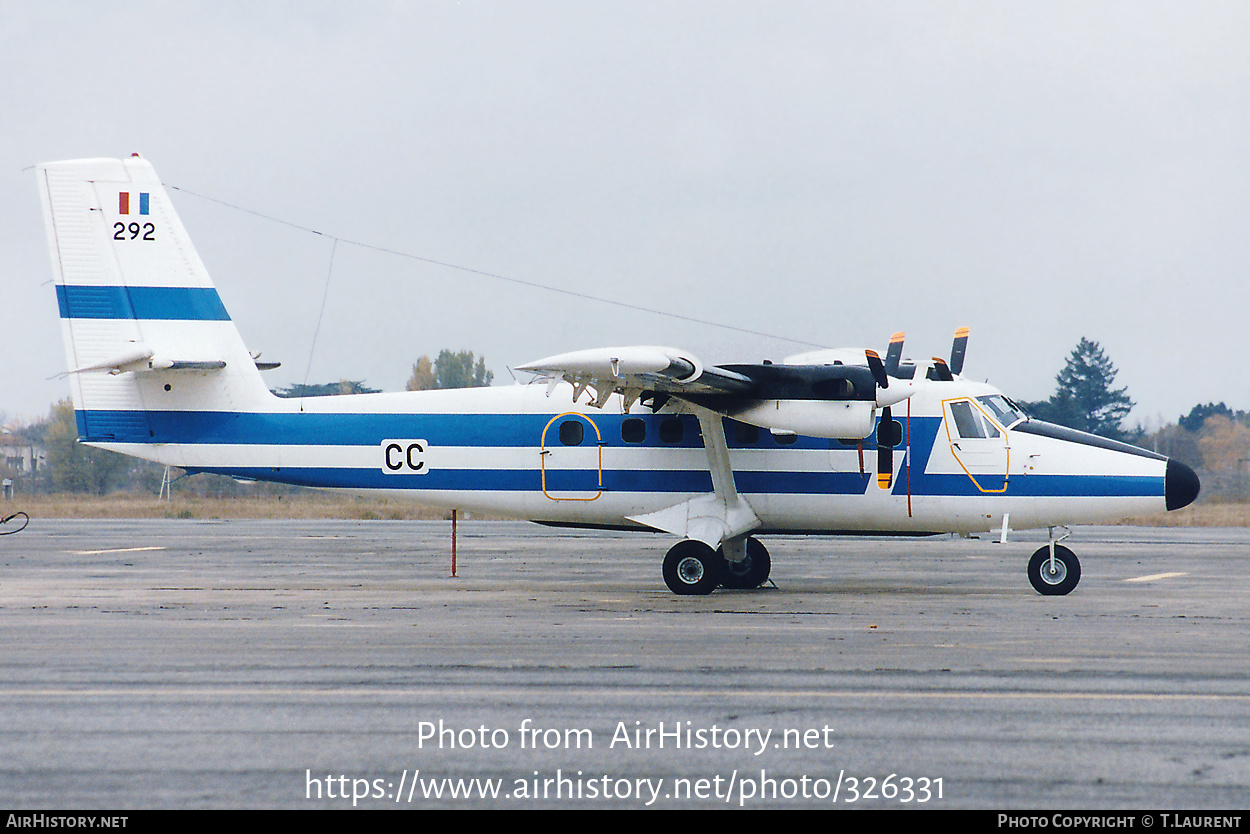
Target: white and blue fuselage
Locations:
point(643, 438)
point(500, 450)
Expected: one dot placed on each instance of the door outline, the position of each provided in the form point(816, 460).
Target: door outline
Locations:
point(979, 453)
point(546, 454)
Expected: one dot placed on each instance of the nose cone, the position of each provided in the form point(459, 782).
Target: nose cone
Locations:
point(1180, 485)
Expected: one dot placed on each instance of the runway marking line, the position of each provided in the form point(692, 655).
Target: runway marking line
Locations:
point(115, 550)
point(1152, 577)
point(317, 692)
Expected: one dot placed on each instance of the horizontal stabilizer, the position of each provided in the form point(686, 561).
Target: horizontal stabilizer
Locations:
point(141, 359)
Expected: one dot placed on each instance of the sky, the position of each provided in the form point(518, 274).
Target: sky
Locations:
point(760, 177)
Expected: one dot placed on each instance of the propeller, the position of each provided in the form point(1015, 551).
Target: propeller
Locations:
point(941, 371)
point(885, 452)
point(887, 428)
point(903, 388)
point(878, 369)
point(889, 432)
point(894, 354)
point(889, 435)
point(958, 348)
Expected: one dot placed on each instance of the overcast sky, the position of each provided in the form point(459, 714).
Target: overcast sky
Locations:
point(824, 172)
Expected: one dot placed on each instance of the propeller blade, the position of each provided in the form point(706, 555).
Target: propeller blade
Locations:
point(941, 370)
point(958, 348)
point(895, 354)
point(885, 451)
point(878, 369)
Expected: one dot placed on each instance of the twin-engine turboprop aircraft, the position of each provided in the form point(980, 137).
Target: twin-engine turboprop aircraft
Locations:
point(643, 438)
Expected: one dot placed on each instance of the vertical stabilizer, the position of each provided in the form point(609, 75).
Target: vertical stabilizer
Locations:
point(145, 331)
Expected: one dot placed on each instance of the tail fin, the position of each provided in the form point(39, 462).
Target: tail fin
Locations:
point(145, 331)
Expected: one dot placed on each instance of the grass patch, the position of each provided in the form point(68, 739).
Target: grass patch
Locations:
point(313, 506)
point(1196, 515)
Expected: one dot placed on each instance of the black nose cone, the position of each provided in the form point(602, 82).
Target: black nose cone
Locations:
point(1180, 485)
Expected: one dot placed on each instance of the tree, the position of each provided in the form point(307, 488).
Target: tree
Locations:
point(1084, 397)
point(450, 370)
point(1179, 443)
point(1224, 443)
point(328, 389)
point(1198, 415)
point(423, 378)
point(72, 466)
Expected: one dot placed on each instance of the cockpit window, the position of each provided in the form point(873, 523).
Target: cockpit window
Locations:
point(970, 422)
point(1003, 409)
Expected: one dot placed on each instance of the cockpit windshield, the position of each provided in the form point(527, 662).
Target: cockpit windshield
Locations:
point(1004, 410)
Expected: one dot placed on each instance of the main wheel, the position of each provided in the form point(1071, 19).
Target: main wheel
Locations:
point(1060, 579)
point(752, 571)
point(691, 567)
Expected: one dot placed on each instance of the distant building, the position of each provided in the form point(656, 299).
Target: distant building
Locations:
point(22, 459)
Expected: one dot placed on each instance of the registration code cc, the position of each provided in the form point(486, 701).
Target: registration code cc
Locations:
point(404, 457)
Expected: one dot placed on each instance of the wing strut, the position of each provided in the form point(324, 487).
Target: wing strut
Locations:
point(721, 517)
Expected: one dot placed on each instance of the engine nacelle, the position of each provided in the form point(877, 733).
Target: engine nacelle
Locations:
point(621, 362)
point(839, 419)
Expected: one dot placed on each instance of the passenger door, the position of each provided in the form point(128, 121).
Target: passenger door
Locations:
point(978, 443)
point(571, 458)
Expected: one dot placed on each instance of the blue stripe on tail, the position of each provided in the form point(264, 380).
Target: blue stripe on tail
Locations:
point(152, 303)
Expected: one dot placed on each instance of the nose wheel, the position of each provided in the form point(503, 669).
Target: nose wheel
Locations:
point(1054, 577)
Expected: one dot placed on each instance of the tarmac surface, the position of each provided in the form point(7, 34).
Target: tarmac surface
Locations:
point(332, 664)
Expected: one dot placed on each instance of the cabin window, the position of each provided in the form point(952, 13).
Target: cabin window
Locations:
point(788, 439)
point(571, 432)
point(672, 430)
point(1003, 409)
point(970, 422)
point(633, 430)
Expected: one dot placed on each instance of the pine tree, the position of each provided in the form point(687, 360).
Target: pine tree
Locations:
point(1084, 398)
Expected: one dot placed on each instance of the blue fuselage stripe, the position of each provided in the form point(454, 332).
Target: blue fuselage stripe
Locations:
point(688, 481)
point(520, 431)
point(370, 429)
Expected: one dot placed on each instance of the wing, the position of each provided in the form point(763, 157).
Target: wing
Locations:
point(638, 370)
point(823, 400)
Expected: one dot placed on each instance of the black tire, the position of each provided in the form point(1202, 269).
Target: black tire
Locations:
point(1062, 580)
point(752, 571)
point(691, 568)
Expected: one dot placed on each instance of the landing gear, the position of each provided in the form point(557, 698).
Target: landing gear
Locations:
point(752, 571)
point(1057, 578)
point(693, 568)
